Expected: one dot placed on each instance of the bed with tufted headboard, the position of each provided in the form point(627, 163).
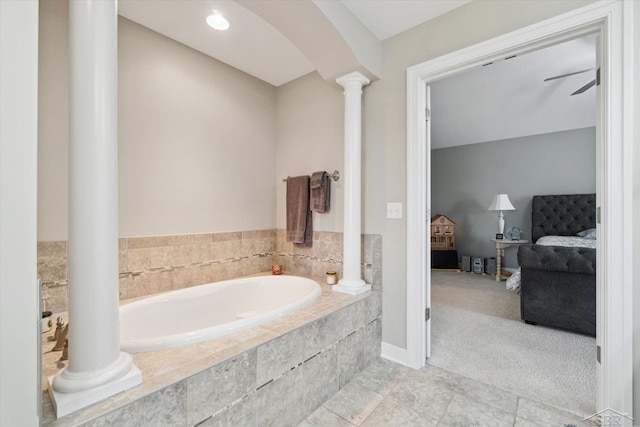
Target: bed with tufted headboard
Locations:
point(558, 284)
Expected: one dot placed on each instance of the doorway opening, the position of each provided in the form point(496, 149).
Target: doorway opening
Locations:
point(614, 318)
point(501, 128)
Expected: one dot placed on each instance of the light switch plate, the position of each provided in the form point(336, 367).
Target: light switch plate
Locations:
point(394, 210)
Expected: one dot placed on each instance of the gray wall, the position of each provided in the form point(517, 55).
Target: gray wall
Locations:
point(466, 178)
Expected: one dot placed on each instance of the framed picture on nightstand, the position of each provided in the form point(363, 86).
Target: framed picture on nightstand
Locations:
point(499, 236)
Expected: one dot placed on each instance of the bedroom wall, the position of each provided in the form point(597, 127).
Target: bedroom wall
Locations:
point(197, 138)
point(466, 178)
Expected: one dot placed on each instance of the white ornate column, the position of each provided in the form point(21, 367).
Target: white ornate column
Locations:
point(97, 369)
point(351, 281)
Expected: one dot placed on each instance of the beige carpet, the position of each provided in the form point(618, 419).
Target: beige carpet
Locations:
point(477, 332)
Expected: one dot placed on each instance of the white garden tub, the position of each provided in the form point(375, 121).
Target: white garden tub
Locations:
point(208, 311)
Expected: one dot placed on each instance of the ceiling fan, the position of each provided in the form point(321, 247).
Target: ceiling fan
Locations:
point(583, 88)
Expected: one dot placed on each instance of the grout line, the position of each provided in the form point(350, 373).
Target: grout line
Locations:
point(517, 408)
point(337, 415)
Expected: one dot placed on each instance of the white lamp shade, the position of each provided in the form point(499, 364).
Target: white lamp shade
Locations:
point(501, 203)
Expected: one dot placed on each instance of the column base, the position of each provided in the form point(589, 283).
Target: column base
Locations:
point(66, 403)
point(352, 287)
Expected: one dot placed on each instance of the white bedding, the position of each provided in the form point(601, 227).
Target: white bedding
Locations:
point(569, 241)
point(513, 282)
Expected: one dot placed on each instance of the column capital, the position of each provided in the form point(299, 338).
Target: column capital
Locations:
point(351, 78)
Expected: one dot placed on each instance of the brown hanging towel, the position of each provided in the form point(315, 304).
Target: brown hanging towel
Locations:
point(320, 192)
point(299, 222)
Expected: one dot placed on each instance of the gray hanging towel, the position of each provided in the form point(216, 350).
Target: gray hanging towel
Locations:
point(320, 192)
point(299, 227)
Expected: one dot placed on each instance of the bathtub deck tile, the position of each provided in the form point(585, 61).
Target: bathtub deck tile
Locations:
point(333, 327)
point(373, 307)
point(239, 413)
point(201, 395)
point(231, 363)
point(288, 322)
point(253, 336)
point(316, 337)
point(221, 349)
point(322, 311)
point(280, 402)
point(213, 389)
point(320, 374)
point(233, 351)
point(167, 408)
point(155, 362)
point(372, 341)
point(212, 347)
point(349, 319)
point(351, 357)
point(279, 355)
point(180, 373)
point(140, 398)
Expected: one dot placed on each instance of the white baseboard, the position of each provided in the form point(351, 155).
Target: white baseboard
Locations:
point(394, 354)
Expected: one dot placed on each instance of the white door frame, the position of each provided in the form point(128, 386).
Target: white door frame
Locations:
point(614, 315)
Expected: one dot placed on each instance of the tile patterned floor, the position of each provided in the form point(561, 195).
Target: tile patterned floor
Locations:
point(388, 394)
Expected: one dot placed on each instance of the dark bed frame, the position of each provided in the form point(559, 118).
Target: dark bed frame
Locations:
point(558, 287)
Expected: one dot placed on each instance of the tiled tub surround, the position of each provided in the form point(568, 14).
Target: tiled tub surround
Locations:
point(149, 265)
point(326, 255)
point(273, 374)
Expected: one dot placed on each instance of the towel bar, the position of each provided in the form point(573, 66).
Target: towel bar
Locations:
point(334, 176)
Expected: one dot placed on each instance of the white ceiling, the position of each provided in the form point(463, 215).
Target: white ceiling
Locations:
point(386, 18)
point(503, 100)
point(253, 45)
point(510, 98)
point(250, 44)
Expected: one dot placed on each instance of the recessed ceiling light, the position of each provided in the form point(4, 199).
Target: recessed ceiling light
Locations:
point(217, 21)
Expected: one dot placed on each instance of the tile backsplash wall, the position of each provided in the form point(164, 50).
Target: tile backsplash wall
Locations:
point(155, 264)
point(326, 254)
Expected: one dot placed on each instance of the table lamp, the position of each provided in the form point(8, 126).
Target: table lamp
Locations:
point(501, 203)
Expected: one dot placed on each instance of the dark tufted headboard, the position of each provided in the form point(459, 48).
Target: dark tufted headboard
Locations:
point(562, 215)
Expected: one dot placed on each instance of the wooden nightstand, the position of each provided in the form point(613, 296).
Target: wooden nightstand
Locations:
point(500, 246)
